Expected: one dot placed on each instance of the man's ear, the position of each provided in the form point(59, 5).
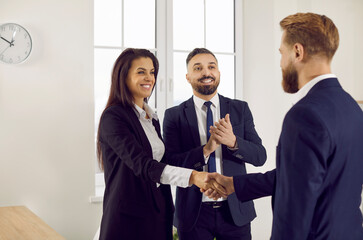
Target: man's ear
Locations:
point(187, 77)
point(299, 52)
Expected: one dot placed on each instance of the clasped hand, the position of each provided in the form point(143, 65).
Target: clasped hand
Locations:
point(222, 132)
point(213, 185)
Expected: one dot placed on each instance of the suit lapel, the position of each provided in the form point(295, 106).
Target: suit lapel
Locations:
point(142, 138)
point(224, 109)
point(156, 125)
point(140, 133)
point(191, 117)
point(224, 106)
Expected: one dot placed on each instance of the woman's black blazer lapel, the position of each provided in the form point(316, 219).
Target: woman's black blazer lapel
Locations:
point(140, 133)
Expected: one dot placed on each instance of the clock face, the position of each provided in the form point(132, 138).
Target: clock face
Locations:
point(15, 43)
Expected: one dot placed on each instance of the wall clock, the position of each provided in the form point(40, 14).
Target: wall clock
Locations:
point(15, 43)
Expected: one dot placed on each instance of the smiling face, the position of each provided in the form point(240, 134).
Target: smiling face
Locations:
point(140, 79)
point(204, 76)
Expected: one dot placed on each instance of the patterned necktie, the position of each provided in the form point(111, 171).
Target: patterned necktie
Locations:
point(212, 159)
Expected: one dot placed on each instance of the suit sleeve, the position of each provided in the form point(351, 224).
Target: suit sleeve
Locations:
point(254, 185)
point(116, 131)
point(174, 154)
point(250, 148)
point(301, 167)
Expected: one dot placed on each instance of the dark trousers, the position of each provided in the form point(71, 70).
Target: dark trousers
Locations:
point(216, 222)
point(127, 227)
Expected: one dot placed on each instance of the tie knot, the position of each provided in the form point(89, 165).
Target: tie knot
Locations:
point(207, 104)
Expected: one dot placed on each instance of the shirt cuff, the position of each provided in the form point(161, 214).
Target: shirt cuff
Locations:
point(176, 176)
point(235, 148)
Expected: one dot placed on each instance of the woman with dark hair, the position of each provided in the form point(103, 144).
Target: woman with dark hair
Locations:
point(137, 201)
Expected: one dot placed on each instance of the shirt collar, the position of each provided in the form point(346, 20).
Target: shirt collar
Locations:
point(309, 85)
point(141, 113)
point(199, 103)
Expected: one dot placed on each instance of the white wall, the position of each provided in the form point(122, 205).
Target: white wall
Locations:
point(46, 117)
point(262, 74)
point(46, 104)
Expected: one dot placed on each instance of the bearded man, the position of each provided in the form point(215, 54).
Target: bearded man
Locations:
point(188, 144)
point(317, 184)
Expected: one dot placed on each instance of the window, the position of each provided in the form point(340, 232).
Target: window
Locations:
point(170, 29)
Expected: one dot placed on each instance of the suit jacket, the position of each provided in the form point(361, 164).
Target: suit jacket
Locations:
point(130, 173)
point(183, 148)
point(319, 163)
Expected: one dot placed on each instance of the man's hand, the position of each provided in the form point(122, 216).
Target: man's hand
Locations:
point(226, 182)
point(200, 180)
point(223, 132)
point(211, 146)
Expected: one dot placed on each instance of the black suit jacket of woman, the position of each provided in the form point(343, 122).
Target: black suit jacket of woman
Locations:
point(130, 173)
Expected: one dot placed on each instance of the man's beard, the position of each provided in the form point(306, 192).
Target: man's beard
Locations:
point(290, 82)
point(205, 89)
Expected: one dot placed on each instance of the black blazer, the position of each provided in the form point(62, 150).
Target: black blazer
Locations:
point(130, 173)
point(317, 183)
point(183, 148)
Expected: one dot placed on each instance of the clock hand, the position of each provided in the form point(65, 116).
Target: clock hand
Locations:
point(11, 43)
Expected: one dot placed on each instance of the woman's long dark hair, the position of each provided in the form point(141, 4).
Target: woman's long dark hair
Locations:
point(119, 93)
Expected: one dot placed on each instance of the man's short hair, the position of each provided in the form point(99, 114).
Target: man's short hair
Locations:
point(317, 33)
point(197, 51)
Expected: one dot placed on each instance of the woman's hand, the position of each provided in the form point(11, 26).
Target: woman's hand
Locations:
point(200, 180)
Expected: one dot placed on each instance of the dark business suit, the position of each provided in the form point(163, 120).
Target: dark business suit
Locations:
point(133, 206)
point(319, 164)
point(183, 148)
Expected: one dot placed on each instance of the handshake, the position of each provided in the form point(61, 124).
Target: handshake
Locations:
point(213, 185)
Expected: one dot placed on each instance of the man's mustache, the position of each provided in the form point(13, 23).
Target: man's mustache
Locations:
point(206, 77)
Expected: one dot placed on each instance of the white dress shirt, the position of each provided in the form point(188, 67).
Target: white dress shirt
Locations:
point(171, 175)
point(309, 85)
point(201, 111)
